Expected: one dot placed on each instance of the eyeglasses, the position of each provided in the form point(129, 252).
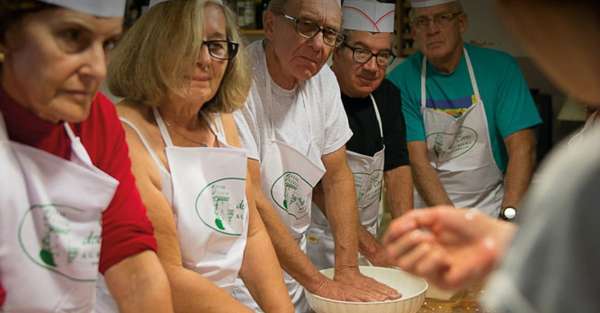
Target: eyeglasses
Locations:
point(440, 20)
point(309, 29)
point(363, 55)
point(221, 49)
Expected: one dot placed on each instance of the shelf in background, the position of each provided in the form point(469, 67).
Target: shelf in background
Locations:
point(252, 32)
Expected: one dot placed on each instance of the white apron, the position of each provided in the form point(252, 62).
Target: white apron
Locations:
point(209, 202)
point(461, 152)
point(207, 191)
point(368, 180)
point(50, 227)
point(288, 178)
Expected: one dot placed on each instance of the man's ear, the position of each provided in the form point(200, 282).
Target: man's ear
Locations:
point(463, 23)
point(268, 24)
point(2, 52)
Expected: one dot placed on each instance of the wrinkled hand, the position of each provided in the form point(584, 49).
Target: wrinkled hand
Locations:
point(449, 247)
point(335, 290)
point(378, 291)
point(379, 257)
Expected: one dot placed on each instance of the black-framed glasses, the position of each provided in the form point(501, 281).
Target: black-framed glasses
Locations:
point(363, 55)
point(440, 20)
point(221, 49)
point(309, 29)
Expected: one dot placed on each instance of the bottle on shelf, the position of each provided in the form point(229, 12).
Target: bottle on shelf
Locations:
point(261, 7)
point(245, 10)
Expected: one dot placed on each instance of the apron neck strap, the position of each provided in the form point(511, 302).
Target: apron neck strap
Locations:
point(377, 115)
point(77, 147)
point(471, 77)
point(70, 132)
point(164, 132)
point(423, 82)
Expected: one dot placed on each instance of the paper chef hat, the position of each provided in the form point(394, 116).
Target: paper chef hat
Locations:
point(155, 2)
point(368, 15)
point(428, 3)
point(103, 8)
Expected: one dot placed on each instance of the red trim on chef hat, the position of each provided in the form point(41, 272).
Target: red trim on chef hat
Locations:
point(368, 15)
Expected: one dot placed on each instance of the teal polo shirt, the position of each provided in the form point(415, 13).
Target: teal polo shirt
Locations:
point(507, 101)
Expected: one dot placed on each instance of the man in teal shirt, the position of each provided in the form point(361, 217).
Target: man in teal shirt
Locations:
point(468, 115)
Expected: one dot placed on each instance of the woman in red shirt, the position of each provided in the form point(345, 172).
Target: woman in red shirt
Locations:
point(68, 203)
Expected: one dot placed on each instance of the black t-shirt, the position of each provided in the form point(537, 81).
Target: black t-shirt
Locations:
point(363, 122)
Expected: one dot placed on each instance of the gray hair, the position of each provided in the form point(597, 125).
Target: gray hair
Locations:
point(277, 5)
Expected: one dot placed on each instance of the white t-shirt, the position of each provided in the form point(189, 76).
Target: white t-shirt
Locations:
point(552, 266)
point(321, 120)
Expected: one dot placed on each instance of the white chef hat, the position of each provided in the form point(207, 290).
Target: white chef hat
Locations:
point(428, 3)
point(155, 2)
point(104, 8)
point(368, 15)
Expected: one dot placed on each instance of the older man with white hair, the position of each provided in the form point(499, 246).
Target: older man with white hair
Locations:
point(468, 115)
point(298, 135)
point(377, 151)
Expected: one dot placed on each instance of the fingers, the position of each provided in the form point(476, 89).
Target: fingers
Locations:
point(458, 276)
point(433, 265)
point(345, 292)
point(368, 289)
point(420, 218)
point(403, 245)
point(390, 293)
point(364, 294)
point(398, 228)
point(466, 269)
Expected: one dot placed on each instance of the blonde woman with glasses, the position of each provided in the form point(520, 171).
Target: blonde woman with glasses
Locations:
point(181, 74)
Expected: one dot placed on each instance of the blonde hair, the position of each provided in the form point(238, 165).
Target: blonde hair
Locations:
point(160, 50)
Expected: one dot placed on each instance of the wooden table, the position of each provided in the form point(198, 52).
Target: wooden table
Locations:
point(463, 302)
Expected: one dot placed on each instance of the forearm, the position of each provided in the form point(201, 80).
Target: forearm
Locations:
point(342, 214)
point(260, 270)
point(262, 274)
point(367, 244)
point(295, 262)
point(520, 147)
point(399, 190)
point(193, 293)
point(124, 280)
point(518, 176)
point(428, 184)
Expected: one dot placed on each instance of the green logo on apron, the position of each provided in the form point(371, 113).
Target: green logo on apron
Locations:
point(448, 146)
point(295, 188)
point(368, 187)
point(48, 238)
point(221, 205)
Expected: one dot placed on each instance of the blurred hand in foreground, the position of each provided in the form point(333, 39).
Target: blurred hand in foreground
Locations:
point(449, 247)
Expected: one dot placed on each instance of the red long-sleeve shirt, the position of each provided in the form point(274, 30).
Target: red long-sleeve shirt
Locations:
point(126, 230)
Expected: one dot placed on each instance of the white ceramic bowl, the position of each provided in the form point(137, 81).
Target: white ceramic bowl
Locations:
point(411, 287)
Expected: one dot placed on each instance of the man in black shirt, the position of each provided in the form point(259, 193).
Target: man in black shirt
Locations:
point(377, 151)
